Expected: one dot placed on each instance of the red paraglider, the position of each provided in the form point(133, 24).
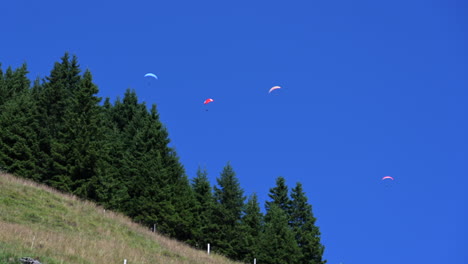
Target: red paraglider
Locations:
point(207, 101)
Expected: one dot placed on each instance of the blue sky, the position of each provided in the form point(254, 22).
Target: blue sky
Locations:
point(370, 88)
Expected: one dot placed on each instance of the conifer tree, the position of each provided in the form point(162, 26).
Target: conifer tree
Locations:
point(307, 234)
point(108, 187)
point(13, 82)
point(121, 123)
point(277, 241)
point(53, 103)
point(158, 189)
point(83, 133)
point(204, 205)
point(229, 202)
point(251, 229)
point(19, 143)
point(279, 196)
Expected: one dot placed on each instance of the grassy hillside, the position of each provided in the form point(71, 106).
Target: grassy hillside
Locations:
point(39, 222)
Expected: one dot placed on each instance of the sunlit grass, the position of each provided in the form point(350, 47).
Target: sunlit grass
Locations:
point(42, 223)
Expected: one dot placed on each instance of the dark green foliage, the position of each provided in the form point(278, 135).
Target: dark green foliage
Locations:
point(203, 209)
point(303, 223)
point(277, 242)
point(251, 229)
point(83, 136)
point(19, 142)
point(229, 202)
point(109, 187)
point(158, 189)
point(54, 103)
point(279, 195)
point(13, 83)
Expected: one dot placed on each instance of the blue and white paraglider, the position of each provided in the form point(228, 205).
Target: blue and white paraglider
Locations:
point(151, 75)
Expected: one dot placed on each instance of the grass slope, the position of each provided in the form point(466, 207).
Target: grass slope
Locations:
point(39, 222)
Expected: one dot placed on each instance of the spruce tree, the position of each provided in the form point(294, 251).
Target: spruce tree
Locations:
point(158, 189)
point(13, 82)
point(109, 187)
point(83, 134)
point(19, 139)
point(204, 206)
point(277, 241)
point(251, 229)
point(229, 202)
point(279, 195)
point(307, 234)
point(54, 101)
point(19, 142)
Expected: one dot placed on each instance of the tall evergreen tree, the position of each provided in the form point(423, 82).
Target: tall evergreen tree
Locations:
point(13, 82)
point(307, 234)
point(158, 189)
point(19, 146)
point(83, 133)
point(277, 241)
point(53, 103)
point(109, 187)
point(229, 202)
point(204, 205)
point(279, 195)
point(251, 229)
point(19, 142)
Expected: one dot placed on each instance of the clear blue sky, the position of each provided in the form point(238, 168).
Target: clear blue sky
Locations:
point(370, 88)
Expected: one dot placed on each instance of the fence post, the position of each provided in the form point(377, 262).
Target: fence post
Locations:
point(125, 261)
point(154, 228)
point(208, 248)
point(255, 261)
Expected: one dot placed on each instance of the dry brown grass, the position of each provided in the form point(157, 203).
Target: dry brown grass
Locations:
point(65, 229)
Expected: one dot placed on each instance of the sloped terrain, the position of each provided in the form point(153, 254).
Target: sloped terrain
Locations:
point(39, 222)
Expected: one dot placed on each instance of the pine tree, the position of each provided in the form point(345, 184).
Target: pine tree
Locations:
point(303, 223)
point(277, 241)
point(251, 228)
point(229, 202)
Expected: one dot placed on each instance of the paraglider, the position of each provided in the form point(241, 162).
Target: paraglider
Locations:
point(207, 101)
point(387, 177)
point(274, 88)
point(151, 75)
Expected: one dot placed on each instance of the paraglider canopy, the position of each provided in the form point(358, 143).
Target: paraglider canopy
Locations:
point(207, 101)
point(387, 177)
point(151, 75)
point(274, 88)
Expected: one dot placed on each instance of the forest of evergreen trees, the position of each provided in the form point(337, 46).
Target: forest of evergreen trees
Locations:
point(57, 131)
